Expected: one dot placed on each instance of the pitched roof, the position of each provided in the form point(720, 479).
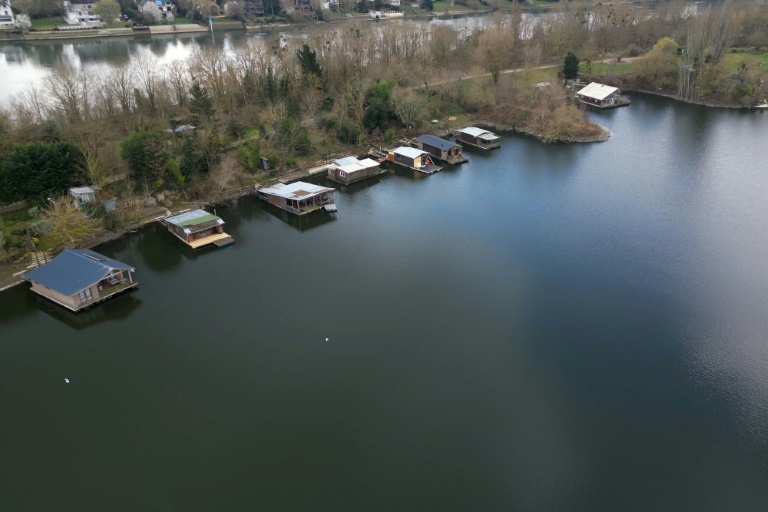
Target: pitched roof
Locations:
point(351, 164)
point(597, 91)
point(435, 142)
point(471, 130)
point(297, 190)
point(409, 152)
point(74, 270)
point(193, 218)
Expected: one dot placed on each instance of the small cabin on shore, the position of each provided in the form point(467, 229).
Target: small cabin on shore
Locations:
point(412, 158)
point(479, 138)
point(299, 198)
point(441, 149)
point(350, 169)
point(83, 195)
point(601, 96)
point(198, 228)
point(78, 279)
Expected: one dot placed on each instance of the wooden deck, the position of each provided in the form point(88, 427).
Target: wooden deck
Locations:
point(107, 291)
point(200, 242)
point(487, 147)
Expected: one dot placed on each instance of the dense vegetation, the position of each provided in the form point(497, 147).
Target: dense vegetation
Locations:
point(126, 131)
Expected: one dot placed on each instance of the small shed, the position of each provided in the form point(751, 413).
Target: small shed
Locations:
point(479, 138)
point(441, 149)
point(78, 279)
point(299, 197)
point(412, 158)
point(601, 96)
point(198, 228)
point(350, 169)
point(83, 195)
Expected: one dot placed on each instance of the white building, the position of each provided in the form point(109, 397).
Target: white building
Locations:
point(6, 15)
point(80, 12)
point(165, 6)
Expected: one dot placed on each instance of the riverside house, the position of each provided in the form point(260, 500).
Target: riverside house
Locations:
point(601, 96)
point(441, 149)
point(350, 169)
point(6, 15)
point(299, 197)
point(198, 228)
point(479, 138)
point(78, 279)
point(412, 158)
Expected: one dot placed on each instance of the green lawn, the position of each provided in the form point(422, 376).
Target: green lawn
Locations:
point(607, 68)
point(47, 23)
point(183, 21)
point(754, 61)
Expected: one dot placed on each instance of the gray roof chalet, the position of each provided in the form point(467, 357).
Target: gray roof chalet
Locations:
point(435, 142)
point(74, 270)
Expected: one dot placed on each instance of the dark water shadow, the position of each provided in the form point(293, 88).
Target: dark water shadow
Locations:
point(403, 172)
point(115, 309)
point(353, 187)
point(300, 222)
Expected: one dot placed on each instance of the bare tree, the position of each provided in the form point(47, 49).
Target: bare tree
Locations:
point(68, 224)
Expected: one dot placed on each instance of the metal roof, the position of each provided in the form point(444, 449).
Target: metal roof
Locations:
point(297, 190)
point(346, 161)
point(409, 152)
point(475, 132)
point(192, 218)
point(435, 142)
point(81, 190)
point(597, 91)
point(352, 164)
point(74, 270)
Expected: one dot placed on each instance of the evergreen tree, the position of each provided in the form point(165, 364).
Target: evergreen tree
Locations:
point(570, 66)
point(38, 170)
point(308, 60)
point(147, 157)
point(201, 105)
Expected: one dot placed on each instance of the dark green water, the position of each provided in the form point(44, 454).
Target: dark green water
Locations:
point(565, 328)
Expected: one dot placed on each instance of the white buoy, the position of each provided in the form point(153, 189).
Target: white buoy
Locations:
point(326, 339)
point(66, 380)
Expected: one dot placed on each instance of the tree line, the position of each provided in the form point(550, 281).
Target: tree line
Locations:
point(288, 100)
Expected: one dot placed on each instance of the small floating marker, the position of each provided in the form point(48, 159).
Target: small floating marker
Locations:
point(66, 381)
point(326, 339)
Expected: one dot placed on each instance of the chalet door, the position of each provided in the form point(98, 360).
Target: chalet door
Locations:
point(85, 295)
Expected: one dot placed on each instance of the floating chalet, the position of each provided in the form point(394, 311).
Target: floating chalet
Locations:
point(198, 228)
point(412, 158)
point(601, 96)
point(441, 149)
point(350, 169)
point(78, 279)
point(479, 138)
point(299, 197)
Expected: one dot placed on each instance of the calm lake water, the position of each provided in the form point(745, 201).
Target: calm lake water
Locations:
point(545, 328)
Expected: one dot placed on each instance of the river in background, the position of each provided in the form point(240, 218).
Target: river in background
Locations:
point(28, 63)
point(548, 327)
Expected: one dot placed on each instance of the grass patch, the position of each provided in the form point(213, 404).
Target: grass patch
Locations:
point(47, 23)
point(732, 62)
point(608, 68)
point(184, 21)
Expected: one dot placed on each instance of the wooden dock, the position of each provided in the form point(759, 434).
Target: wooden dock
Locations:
point(211, 239)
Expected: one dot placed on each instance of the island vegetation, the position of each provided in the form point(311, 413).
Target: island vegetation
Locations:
point(149, 137)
